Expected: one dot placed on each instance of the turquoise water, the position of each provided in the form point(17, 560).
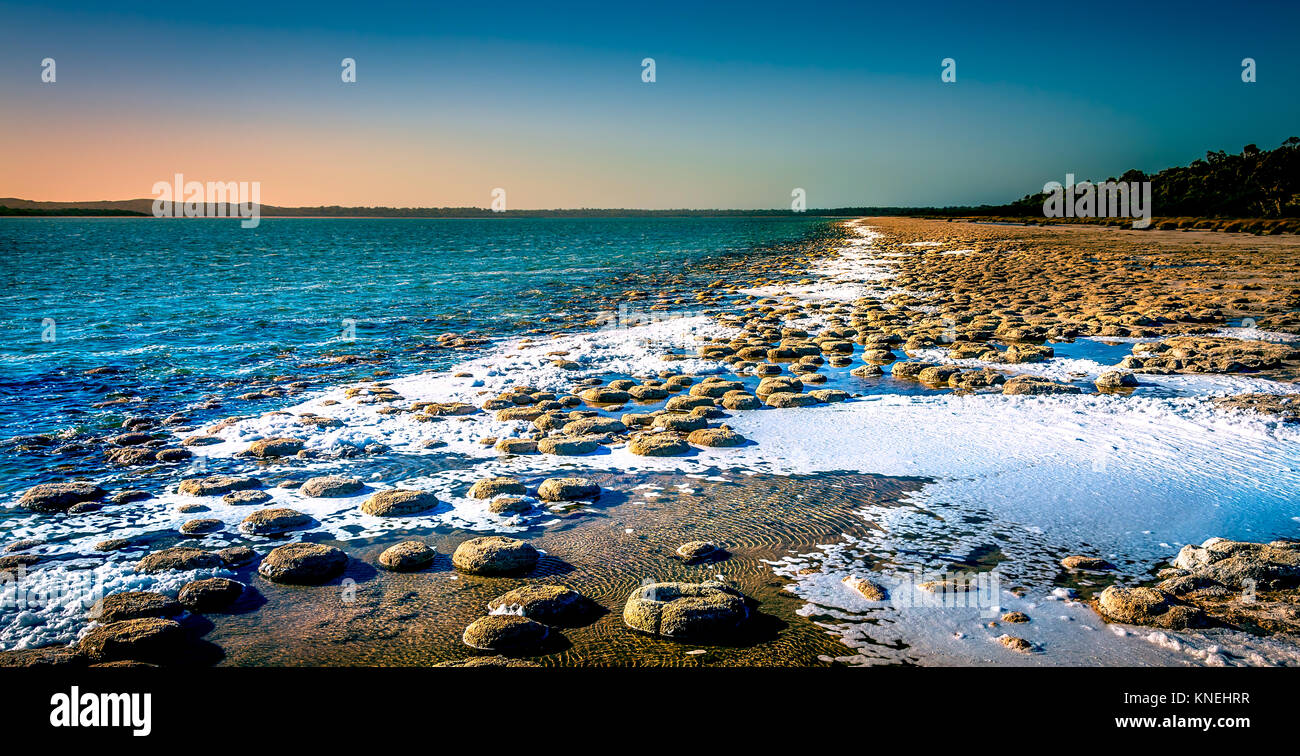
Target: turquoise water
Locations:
point(181, 316)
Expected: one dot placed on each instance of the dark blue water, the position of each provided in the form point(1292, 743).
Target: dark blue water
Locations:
point(111, 318)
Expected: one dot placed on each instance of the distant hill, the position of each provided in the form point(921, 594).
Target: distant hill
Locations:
point(1251, 184)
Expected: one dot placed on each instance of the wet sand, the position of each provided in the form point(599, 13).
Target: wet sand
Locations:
point(416, 619)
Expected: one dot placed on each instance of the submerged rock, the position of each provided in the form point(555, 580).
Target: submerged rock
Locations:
point(489, 661)
point(1284, 407)
point(698, 551)
point(1078, 562)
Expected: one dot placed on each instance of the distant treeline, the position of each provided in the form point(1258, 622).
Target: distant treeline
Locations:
point(65, 211)
point(1254, 183)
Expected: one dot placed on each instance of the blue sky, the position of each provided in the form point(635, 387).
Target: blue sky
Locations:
point(545, 100)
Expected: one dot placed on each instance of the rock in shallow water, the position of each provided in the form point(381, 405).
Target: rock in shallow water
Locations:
point(303, 563)
point(492, 487)
point(494, 555)
point(488, 661)
point(133, 605)
point(59, 497)
point(567, 489)
point(146, 639)
point(1019, 645)
point(566, 447)
point(214, 485)
point(210, 595)
point(1147, 606)
point(398, 502)
point(504, 632)
point(179, 558)
point(685, 611)
point(267, 522)
point(698, 551)
point(331, 486)
point(1078, 562)
point(270, 448)
point(407, 556)
point(549, 604)
point(867, 589)
point(658, 445)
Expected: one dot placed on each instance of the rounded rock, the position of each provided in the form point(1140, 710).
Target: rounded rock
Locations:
point(488, 488)
point(566, 447)
point(130, 605)
point(331, 487)
point(210, 595)
point(504, 632)
point(407, 556)
point(567, 489)
point(555, 605)
point(144, 639)
point(59, 497)
point(179, 558)
point(303, 563)
point(494, 555)
point(697, 551)
point(685, 611)
point(267, 522)
point(658, 445)
point(398, 502)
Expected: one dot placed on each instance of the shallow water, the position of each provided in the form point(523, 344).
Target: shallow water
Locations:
point(200, 311)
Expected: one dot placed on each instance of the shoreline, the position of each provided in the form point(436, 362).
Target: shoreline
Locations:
point(787, 442)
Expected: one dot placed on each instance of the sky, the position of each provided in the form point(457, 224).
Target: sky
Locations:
point(546, 100)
